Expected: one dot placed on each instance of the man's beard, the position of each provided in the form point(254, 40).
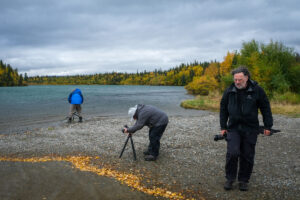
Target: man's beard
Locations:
point(241, 86)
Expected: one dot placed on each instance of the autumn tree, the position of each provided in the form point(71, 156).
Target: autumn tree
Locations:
point(226, 65)
point(9, 76)
point(202, 85)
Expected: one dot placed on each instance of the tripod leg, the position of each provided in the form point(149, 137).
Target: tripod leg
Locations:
point(124, 146)
point(76, 114)
point(133, 149)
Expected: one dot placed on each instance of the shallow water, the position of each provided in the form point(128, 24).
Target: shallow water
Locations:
point(35, 105)
point(57, 180)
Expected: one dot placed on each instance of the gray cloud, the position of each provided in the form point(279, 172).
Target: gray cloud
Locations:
point(84, 37)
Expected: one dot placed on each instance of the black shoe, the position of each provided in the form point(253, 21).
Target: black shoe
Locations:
point(80, 119)
point(146, 153)
point(150, 158)
point(243, 186)
point(228, 185)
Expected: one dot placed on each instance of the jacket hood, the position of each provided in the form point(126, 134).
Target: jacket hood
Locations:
point(252, 82)
point(77, 90)
point(139, 107)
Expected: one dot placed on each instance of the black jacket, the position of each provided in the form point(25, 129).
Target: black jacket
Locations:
point(239, 109)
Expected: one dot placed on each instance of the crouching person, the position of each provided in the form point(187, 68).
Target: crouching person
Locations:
point(155, 119)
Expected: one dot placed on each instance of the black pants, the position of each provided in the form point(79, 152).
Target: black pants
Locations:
point(155, 134)
point(240, 151)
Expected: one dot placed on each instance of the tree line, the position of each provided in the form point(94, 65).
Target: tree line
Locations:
point(274, 66)
point(177, 76)
point(10, 76)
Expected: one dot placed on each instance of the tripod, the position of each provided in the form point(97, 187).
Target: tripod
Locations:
point(132, 145)
point(74, 114)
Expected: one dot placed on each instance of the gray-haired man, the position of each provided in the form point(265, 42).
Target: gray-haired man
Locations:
point(239, 119)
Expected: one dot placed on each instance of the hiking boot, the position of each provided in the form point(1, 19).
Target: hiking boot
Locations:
point(80, 119)
point(150, 158)
point(228, 185)
point(243, 186)
point(146, 153)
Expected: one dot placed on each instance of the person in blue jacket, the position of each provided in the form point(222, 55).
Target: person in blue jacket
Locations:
point(75, 99)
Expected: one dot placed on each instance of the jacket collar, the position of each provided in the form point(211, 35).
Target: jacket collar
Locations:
point(251, 84)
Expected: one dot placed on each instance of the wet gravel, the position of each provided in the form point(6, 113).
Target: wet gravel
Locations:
point(190, 161)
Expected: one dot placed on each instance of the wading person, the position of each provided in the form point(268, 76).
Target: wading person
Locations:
point(75, 99)
point(239, 120)
point(155, 119)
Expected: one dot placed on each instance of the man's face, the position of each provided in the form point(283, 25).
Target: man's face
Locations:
point(240, 80)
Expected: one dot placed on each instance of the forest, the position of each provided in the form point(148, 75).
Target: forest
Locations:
point(10, 76)
point(274, 66)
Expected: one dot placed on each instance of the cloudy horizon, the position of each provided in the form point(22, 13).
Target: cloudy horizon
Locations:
point(85, 37)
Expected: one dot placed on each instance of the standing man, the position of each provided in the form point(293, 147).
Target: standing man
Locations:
point(239, 120)
point(155, 119)
point(75, 99)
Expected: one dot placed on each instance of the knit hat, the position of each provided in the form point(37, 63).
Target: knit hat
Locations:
point(131, 112)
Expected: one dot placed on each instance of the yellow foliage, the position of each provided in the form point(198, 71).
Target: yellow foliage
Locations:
point(198, 70)
point(83, 163)
point(225, 66)
point(212, 70)
point(202, 85)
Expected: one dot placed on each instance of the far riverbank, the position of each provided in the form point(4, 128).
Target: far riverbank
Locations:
point(212, 103)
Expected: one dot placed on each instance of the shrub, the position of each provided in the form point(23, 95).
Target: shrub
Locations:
point(287, 97)
point(202, 85)
point(226, 81)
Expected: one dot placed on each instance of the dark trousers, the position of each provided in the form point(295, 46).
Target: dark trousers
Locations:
point(240, 151)
point(75, 108)
point(155, 134)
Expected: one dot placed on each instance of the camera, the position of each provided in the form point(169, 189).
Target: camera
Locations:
point(220, 137)
point(123, 129)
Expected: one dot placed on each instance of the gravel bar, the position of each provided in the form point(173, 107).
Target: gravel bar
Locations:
point(190, 161)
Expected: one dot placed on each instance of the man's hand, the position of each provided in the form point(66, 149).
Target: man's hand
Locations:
point(267, 132)
point(223, 132)
point(125, 130)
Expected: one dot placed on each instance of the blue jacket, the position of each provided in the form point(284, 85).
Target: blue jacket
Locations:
point(75, 97)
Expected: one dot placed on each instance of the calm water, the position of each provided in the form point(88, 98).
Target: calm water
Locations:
point(34, 105)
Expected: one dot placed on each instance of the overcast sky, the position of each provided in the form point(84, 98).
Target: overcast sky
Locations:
point(66, 37)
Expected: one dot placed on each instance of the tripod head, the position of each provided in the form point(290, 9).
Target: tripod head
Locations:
point(123, 129)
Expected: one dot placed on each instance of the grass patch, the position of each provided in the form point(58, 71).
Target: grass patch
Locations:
point(212, 103)
point(286, 98)
point(51, 128)
point(291, 110)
